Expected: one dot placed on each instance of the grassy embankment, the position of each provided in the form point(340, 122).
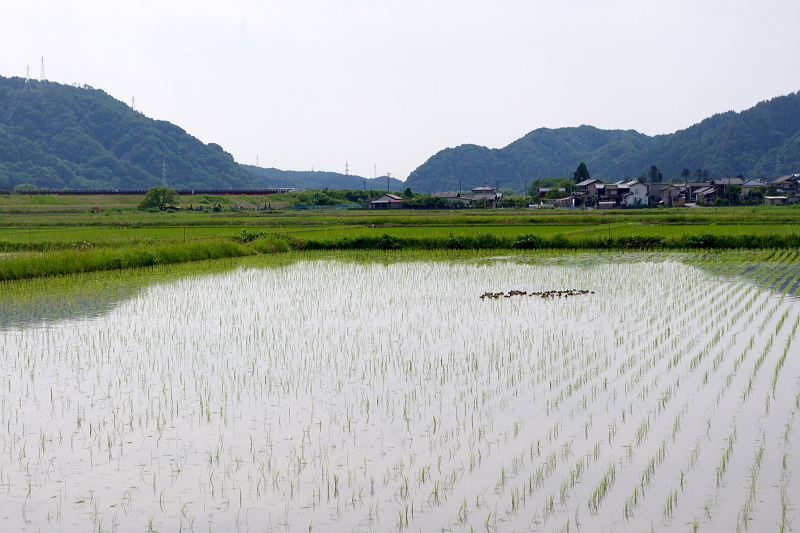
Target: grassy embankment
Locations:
point(35, 243)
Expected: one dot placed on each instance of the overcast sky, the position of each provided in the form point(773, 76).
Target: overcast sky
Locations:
point(313, 83)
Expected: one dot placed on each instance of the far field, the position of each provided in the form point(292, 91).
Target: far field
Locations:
point(49, 235)
point(114, 220)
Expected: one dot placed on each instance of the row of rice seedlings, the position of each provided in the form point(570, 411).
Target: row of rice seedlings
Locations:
point(745, 516)
point(782, 359)
point(725, 457)
point(601, 490)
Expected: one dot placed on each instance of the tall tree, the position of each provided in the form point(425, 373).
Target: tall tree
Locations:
point(581, 174)
point(655, 175)
point(159, 198)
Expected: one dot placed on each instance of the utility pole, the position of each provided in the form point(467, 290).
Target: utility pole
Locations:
point(388, 177)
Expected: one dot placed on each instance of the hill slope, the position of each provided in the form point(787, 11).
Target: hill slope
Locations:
point(59, 136)
point(725, 144)
point(273, 177)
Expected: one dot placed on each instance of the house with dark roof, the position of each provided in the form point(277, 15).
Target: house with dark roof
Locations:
point(490, 197)
point(787, 184)
point(387, 201)
point(452, 197)
point(588, 187)
point(749, 185)
point(706, 194)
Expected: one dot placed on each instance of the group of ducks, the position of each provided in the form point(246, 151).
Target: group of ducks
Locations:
point(545, 294)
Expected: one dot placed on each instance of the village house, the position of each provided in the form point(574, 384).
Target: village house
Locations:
point(588, 187)
point(749, 185)
point(692, 187)
point(569, 201)
point(491, 198)
point(608, 193)
point(706, 195)
point(723, 185)
point(672, 196)
point(387, 201)
point(787, 185)
point(452, 197)
point(636, 195)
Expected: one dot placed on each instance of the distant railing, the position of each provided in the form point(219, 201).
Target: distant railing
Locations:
point(334, 206)
point(182, 192)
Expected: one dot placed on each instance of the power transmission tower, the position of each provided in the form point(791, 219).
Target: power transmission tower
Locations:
point(388, 177)
point(41, 74)
point(346, 173)
point(163, 172)
point(133, 103)
point(27, 72)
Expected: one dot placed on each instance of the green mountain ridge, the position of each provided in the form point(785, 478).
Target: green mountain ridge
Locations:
point(725, 144)
point(59, 136)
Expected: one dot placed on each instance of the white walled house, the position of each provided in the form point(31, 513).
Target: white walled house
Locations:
point(637, 195)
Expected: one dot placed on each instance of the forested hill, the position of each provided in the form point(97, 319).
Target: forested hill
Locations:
point(59, 136)
point(273, 177)
point(730, 143)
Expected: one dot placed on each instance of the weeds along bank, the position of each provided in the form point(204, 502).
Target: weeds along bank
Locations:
point(96, 259)
point(31, 260)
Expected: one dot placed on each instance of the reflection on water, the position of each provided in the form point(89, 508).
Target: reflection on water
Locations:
point(45, 301)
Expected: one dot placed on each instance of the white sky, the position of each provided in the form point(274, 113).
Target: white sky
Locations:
point(315, 83)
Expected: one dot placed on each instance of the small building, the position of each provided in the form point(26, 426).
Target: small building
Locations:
point(692, 187)
point(723, 185)
point(636, 195)
point(608, 192)
point(490, 197)
point(672, 196)
point(452, 198)
point(588, 187)
point(776, 200)
point(569, 201)
point(749, 185)
point(705, 195)
point(387, 201)
point(654, 195)
point(787, 184)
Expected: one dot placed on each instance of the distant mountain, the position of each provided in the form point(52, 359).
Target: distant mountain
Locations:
point(59, 136)
point(729, 143)
point(273, 177)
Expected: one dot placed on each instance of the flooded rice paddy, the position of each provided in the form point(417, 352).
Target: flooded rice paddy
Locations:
point(335, 394)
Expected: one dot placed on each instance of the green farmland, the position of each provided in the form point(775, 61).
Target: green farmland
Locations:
point(31, 227)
